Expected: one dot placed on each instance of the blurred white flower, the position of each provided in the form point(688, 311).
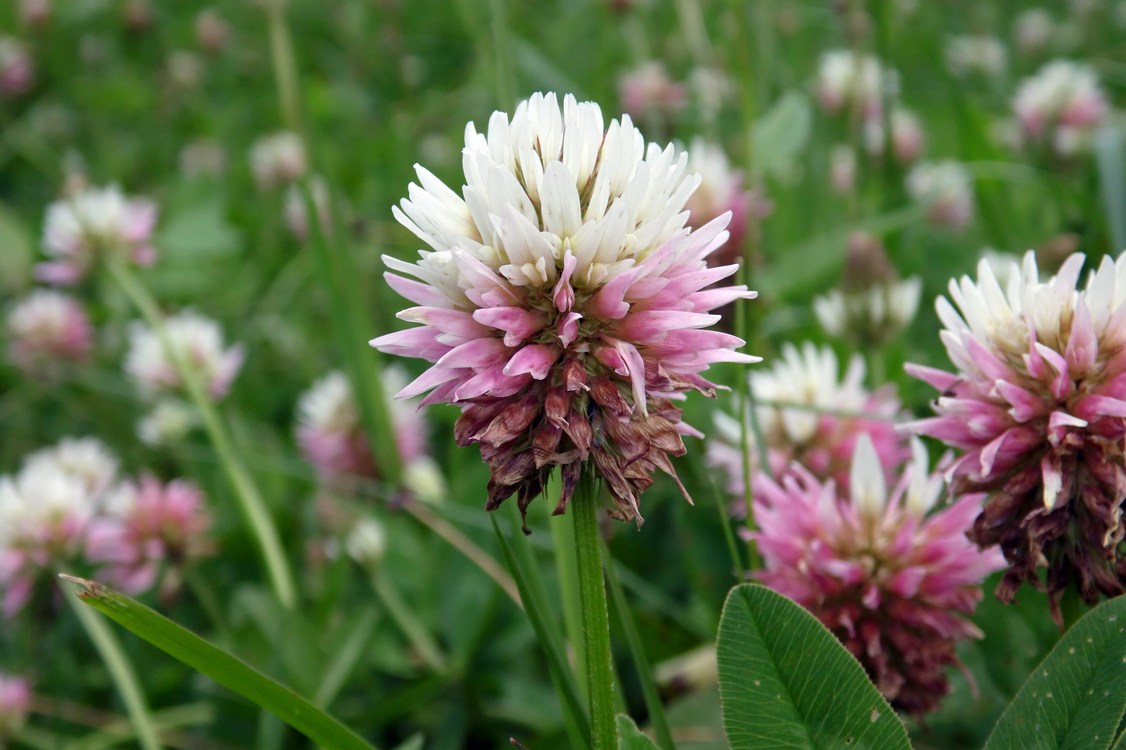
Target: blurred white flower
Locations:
point(1033, 31)
point(197, 341)
point(296, 217)
point(945, 189)
point(278, 159)
point(1061, 106)
point(367, 543)
point(45, 327)
point(977, 54)
point(842, 168)
point(847, 81)
point(203, 156)
point(647, 89)
point(84, 459)
point(167, 423)
point(907, 136)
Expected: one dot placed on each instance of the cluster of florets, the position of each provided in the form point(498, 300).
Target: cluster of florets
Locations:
point(1037, 405)
point(68, 505)
point(891, 573)
point(563, 302)
point(1060, 107)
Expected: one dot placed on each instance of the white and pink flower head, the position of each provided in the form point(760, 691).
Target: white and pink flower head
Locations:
point(907, 136)
point(647, 90)
point(146, 525)
point(811, 413)
point(91, 224)
point(945, 190)
point(1060, 107)
point(1037, 406)
point(278, 159)
point(723, 189)
point(15, 704)
point(45, 510)
point(894, 581)
point(48, 327)
point(848, 81)
point(563, 302)
point(197, 340)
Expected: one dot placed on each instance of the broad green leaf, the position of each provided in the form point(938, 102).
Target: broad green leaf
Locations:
point(220, 666)
point(632, 738)
point(786, 682)
point(781, 134)
point(1076, 697)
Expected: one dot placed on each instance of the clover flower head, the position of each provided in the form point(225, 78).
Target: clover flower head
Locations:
point(1061, 106)
point(885, 568)
point(976, 54)
point(1037, 406)
point(278, 159)
point(848, 80)
point(194, 339)
point(147, 524)
point(945, 190)
point(563, 302)
point(811, 413)
point(723, 189)
point(907, 136)
point(90, 225)
point(47, 327)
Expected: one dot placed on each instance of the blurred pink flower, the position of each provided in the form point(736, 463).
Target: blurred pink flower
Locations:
point(197, 340)
point(1061, 106)
point(811, 413)
point(16, 69)
point(145, 525)
point(563, 302)
point(1038, 407)
point(15, 704)
point(96, 221)
point(894, 584)
point(842, 169)
point(647, 90)
point(945, 190)
point(907, 136)
point(278, 159)
point(211, 32)
point(45, 327)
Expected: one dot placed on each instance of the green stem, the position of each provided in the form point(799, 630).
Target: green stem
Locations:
point(566, 566)
point(120, 670)
point(246, 492)
point(596, 617)
point(409, 623)
point(285, 68)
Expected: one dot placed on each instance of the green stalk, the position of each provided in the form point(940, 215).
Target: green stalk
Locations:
point(122, 672)
point(408, 622)
point(566, 566)
point(596, 617)
point(249, 498)
point(285, 70)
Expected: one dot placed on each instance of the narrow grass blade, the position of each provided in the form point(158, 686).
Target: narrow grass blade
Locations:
point(220, 666)
point(535, 604)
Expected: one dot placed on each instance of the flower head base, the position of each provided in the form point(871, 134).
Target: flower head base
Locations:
point(810, 413)
point(893, 583)
point(95, 223)
point(1038, 407)
point(872, 305)
point(45, 328)
point(1061, 106)
point(15, 703)
point(563, 301)
point(197, 341)
point(145, 525)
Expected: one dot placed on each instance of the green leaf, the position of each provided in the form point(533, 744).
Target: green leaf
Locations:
point(219, 666)
point(781, 134)
point(15, 251)
point(632, 738)
point(1076, 697)
point(786, 682)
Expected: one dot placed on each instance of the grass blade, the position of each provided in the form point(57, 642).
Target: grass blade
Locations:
point(220, 666)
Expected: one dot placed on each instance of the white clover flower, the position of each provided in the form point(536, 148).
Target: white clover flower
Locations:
point(1061, 106)
point(846, 80)
point(945, 189)
point(167, 422)
point(197, 341)
point(887, 308)
point(95, 222)
point(981, 54)
point(85, 459)
point(367, 543)
point(907, 135)
point(47, 326)
point(278, 159)
point(1033, 31)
